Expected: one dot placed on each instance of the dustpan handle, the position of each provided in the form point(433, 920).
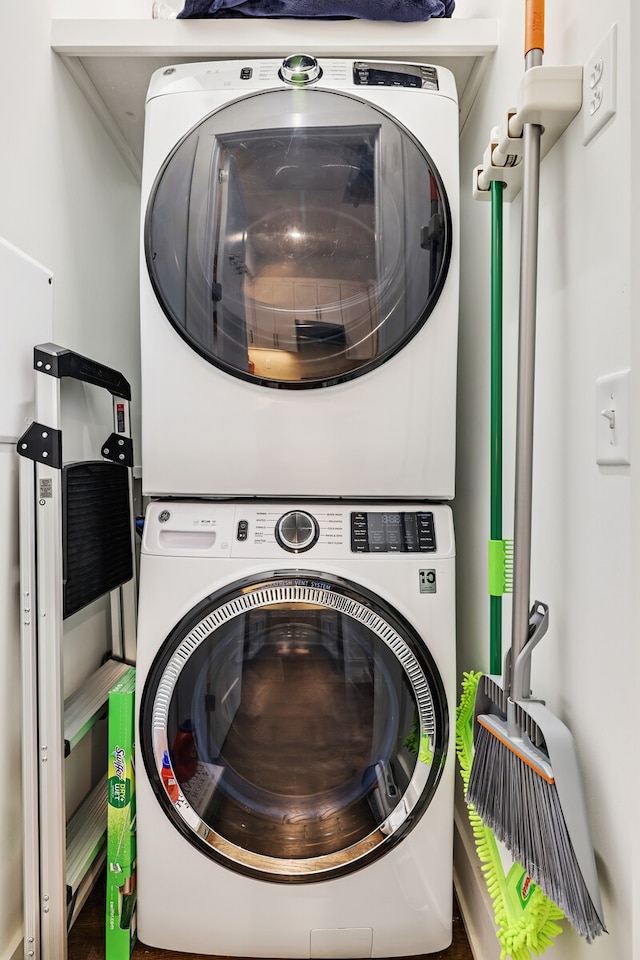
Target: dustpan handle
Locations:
point(526, 365)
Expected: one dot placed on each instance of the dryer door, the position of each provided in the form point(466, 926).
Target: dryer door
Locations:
point(298, 238)
point(293, 728)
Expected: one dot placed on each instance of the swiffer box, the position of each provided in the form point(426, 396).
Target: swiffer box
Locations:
point(121, 812)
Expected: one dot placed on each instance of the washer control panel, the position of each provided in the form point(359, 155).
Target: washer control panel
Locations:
point(272, 530)
point(393, 532)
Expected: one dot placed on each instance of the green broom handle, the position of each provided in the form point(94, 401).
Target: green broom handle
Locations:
point(495, 602)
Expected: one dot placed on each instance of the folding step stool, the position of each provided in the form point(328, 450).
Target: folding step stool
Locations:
point(76, 545)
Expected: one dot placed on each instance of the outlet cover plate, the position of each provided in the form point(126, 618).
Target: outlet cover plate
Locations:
point(599, 83)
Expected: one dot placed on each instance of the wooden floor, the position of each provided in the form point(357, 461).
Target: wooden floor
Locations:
point(86, 940)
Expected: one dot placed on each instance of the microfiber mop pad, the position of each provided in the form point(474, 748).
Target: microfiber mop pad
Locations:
point(526, 919)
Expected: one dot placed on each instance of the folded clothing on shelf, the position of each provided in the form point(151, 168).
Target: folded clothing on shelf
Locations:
point(394, 10)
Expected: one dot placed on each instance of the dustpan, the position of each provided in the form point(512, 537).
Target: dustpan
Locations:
point(541, 760)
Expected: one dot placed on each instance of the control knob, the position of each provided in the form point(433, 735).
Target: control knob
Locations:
point(297, 531)
point(300, 68)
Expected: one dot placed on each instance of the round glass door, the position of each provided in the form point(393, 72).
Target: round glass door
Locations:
point(298, 238)
point(293, 728)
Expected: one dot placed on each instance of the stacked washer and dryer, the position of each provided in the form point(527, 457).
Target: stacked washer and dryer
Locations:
point(296, 642)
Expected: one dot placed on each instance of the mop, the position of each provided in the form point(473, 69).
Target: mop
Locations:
point(525, 781)
point(526, 920)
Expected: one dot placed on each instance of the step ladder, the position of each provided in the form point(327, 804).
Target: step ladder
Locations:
point(76, 545)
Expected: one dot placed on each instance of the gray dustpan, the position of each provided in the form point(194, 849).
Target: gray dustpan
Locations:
point(541, 766)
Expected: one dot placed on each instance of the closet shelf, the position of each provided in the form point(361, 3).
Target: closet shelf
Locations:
point(112, 60)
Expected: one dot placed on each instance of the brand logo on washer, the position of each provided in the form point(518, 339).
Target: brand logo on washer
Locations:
point(163, 516)
point(427, 581)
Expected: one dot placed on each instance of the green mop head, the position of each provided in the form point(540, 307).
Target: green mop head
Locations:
point(526, 920)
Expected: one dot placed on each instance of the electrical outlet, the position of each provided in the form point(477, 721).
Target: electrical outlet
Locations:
point(599, 85)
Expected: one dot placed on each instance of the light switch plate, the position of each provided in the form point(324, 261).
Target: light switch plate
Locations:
point(612, 419)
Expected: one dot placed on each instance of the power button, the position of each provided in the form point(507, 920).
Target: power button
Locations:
point(246, 73)
point(243, 530)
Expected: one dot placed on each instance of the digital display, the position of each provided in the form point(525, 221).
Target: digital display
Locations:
point(392, 532)
point(394, 75)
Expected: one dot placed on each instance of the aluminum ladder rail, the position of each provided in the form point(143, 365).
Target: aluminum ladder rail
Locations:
point(62, 860)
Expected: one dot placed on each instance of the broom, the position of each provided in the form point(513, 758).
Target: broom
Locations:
point(525, 781)
point(526, 920)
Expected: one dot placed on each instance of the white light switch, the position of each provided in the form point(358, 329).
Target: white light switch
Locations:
point(612, 420)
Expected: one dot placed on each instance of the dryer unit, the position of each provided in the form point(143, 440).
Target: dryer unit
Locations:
point(299, 303)
point(296, 689)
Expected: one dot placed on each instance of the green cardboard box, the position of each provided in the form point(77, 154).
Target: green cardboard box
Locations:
point(121, 817)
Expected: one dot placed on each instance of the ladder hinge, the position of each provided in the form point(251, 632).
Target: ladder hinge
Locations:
point(118, 449)
point(42, 444)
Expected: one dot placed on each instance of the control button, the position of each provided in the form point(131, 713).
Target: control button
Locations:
point(297, 531)
point(360, 547)
point(246, 73)
point(430, 78)
point(300, 68)
point(243, 530)
point(426, 533)
point(359, 533)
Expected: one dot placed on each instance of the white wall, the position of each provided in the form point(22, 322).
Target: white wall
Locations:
point(582, 544)
point(67, 200)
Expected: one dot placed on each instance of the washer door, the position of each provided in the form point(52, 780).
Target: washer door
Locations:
point(298, 237)
point(294, 727)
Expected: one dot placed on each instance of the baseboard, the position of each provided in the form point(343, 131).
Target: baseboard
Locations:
point(473, 897)
point(15, 949)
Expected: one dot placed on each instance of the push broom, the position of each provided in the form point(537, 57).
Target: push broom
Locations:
point(525, 781)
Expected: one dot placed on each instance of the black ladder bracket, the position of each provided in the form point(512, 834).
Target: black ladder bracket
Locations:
point(41, 444)
point(118, 449)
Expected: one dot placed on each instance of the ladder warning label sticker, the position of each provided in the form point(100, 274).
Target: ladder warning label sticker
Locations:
point(46, 489)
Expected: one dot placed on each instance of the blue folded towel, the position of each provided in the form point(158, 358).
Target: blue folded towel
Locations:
point(398, 10)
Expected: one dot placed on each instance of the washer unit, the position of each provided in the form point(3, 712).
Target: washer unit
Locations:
point(296, 689)
point(299, 291)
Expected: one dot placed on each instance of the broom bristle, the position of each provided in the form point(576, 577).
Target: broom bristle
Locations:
point(524, 811)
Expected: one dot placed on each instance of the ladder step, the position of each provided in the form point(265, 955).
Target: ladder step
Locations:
point(95, 871)
point(86, 835)
point(89, 703)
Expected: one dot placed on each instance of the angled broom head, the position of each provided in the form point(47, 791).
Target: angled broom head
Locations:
point(525, 784)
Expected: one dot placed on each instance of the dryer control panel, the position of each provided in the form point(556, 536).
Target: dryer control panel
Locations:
point(300, 70)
